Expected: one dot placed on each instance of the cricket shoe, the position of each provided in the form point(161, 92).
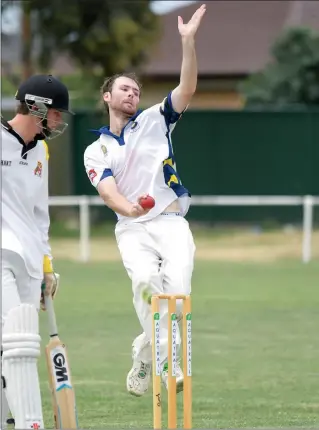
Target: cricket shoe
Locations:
point(138, 378)
point(179, 377)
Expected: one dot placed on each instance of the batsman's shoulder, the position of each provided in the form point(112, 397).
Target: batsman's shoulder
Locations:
point(42, 151)
point(46, 148)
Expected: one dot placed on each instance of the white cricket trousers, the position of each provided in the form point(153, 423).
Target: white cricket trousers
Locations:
point(158, 256)
point(17, 288)
point(17, 285)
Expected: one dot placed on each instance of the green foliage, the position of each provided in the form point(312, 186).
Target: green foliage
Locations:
point(7, 87)
point(102, 36)
point(293, 75)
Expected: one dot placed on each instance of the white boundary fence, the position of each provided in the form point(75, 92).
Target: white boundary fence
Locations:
point(307, 202)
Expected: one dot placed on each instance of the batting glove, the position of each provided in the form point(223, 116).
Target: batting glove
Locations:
point(50, 283)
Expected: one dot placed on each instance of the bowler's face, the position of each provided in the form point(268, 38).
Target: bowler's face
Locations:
point(125, 96)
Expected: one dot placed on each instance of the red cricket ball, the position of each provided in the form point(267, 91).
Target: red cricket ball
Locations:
point(147, 202)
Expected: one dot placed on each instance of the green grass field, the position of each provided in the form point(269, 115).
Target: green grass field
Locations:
point(255, 345)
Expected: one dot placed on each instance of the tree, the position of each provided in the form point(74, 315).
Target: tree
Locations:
point(26, 36)
point(102, 36)
point(293, 75)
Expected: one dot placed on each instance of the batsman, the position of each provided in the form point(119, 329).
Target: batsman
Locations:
point(134, 157)
point(26, 259)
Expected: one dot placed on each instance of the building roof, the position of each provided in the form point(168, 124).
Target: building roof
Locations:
point(234, 38)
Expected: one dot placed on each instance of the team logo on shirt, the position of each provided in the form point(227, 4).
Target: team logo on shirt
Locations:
point(135, 127)
point(38, 169)
point(92, 174)
point(104, 150)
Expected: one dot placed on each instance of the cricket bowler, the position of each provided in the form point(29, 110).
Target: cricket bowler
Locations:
point(132, 158)
point(26, 259)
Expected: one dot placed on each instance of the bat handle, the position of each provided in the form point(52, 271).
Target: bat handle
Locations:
point(53, 328)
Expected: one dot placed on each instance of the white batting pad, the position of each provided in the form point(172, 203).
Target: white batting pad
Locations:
point(21, 349)
point(4, 409)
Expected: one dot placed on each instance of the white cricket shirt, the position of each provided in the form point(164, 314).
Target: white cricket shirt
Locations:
point(141, 160)
point(24, 213)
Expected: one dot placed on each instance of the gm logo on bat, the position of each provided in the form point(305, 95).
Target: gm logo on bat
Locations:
point(61, 369)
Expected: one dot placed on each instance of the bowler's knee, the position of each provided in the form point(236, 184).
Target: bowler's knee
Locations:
point(179, 307)
point(179, 283)
point(144, 284)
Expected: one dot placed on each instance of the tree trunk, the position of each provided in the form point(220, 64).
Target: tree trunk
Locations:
point(27, 69)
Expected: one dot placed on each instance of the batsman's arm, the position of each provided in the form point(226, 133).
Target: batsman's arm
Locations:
point(181, 96)
point(41, 213)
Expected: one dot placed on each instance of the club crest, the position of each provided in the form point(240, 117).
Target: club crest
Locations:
point(38, 169)
point(135, 126)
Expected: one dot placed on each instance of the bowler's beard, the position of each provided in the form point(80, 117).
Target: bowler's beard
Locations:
point(125, 111)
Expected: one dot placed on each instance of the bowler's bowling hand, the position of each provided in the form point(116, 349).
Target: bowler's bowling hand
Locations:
point(137, 210)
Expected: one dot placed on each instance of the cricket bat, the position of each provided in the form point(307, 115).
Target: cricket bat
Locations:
point(62, 390)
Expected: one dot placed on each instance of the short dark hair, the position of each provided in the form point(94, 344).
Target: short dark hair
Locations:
point(22, 109)
point(109, 82)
